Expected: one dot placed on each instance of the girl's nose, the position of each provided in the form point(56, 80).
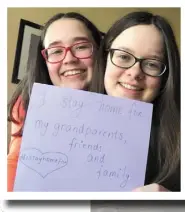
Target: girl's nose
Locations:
point(69, 57)
point(135, 71)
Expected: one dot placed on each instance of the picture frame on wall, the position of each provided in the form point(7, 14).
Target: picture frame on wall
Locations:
point(27, 42)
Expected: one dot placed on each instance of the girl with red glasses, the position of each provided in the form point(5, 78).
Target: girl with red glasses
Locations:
point(65, 58)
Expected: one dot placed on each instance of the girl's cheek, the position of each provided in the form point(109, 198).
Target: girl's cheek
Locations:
point(154, 83)
point(88, 62)
point(53, 68)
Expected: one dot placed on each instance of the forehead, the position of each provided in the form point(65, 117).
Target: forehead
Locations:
point(141, 39)
point(66, 31)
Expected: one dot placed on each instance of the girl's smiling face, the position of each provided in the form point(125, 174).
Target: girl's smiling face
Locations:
point(133, 83)
point(71, 72)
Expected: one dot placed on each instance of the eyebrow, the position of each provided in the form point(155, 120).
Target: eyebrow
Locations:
point(156, 55)
point(75, 39)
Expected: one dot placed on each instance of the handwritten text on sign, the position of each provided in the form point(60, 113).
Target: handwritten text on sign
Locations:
point(81, 141)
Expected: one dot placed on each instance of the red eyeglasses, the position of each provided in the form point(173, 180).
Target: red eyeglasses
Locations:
point(82, 50)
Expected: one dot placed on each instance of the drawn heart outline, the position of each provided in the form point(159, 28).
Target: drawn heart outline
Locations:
point(42, 153)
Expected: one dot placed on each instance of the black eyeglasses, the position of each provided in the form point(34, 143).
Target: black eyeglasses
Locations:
point(82, 50)
point(123, 59)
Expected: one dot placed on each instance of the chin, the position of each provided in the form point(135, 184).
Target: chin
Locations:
point(77, 86)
